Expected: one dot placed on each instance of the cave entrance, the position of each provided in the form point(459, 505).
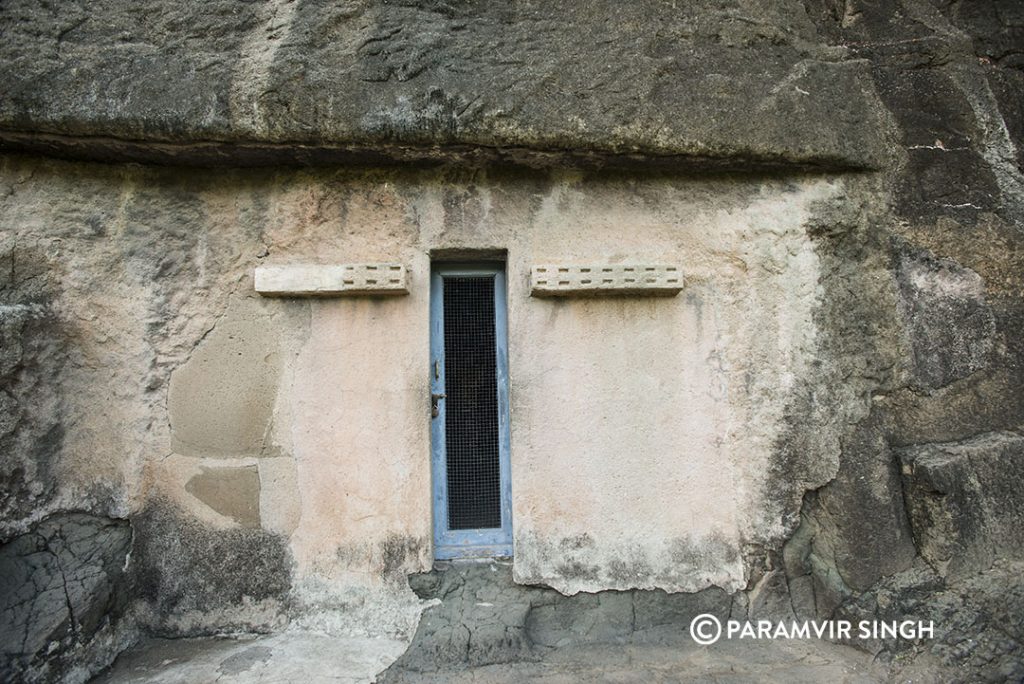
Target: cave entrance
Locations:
point(469, 411)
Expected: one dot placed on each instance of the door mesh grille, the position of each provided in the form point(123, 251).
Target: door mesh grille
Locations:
point(471, 408)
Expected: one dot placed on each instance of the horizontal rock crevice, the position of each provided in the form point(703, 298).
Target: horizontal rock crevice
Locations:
point(254, 153)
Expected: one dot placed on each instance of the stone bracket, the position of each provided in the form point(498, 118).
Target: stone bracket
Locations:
point(321, 280)
point(647, 280)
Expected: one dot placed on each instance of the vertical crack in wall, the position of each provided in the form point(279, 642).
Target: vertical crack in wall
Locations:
point(64, 583)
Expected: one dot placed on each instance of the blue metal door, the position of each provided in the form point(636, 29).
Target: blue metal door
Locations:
point(469, 411)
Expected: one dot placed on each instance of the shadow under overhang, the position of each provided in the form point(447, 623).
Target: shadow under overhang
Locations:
point(250, 154)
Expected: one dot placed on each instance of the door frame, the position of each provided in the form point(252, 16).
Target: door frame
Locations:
point(490, 542)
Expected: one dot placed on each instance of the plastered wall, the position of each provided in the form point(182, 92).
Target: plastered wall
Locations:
point(644, 430)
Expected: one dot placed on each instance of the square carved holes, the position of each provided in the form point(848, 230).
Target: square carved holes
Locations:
point(331, 280)
point(603, 279)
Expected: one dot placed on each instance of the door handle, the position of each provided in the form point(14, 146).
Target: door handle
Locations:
point(434, 398)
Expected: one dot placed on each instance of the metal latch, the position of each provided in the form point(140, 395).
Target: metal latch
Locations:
point(434, 398)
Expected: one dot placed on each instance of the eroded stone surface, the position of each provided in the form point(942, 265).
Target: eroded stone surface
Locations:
point(62, 585)
point(950, 325)
point(482, 618)
point(31, 365)
point(488, 74)
point(978, 624)
point(966, 501)
point(316, 659)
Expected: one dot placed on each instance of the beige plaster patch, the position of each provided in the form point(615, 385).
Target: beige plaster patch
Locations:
point(220, 401)
point(232, 492)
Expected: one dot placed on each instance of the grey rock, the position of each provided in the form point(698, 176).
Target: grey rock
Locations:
point(966, 501)
point(484, 618)
point(955, 412)
point(876, 541)
point(657, 610)
point(60, 584)
point(946, 173)
point(33, 355)
point(977, 623)
point(1006, 85)
point(950, 325)
point(801, 594)
point(996, 28)
point(769, 598)
point(609, 79)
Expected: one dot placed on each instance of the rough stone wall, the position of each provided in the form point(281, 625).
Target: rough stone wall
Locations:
point(61, 594)
point(900, 406)
point(369, 77)
point(927, 496)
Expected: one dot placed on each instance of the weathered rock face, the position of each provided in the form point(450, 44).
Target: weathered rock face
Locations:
point(950, 326)
point(31, 431)
point(62, 591)
point(932, 471)
point(844, 364)
point(481, 617)
point(977, 623)
point(607, 79)
point(965, 501)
